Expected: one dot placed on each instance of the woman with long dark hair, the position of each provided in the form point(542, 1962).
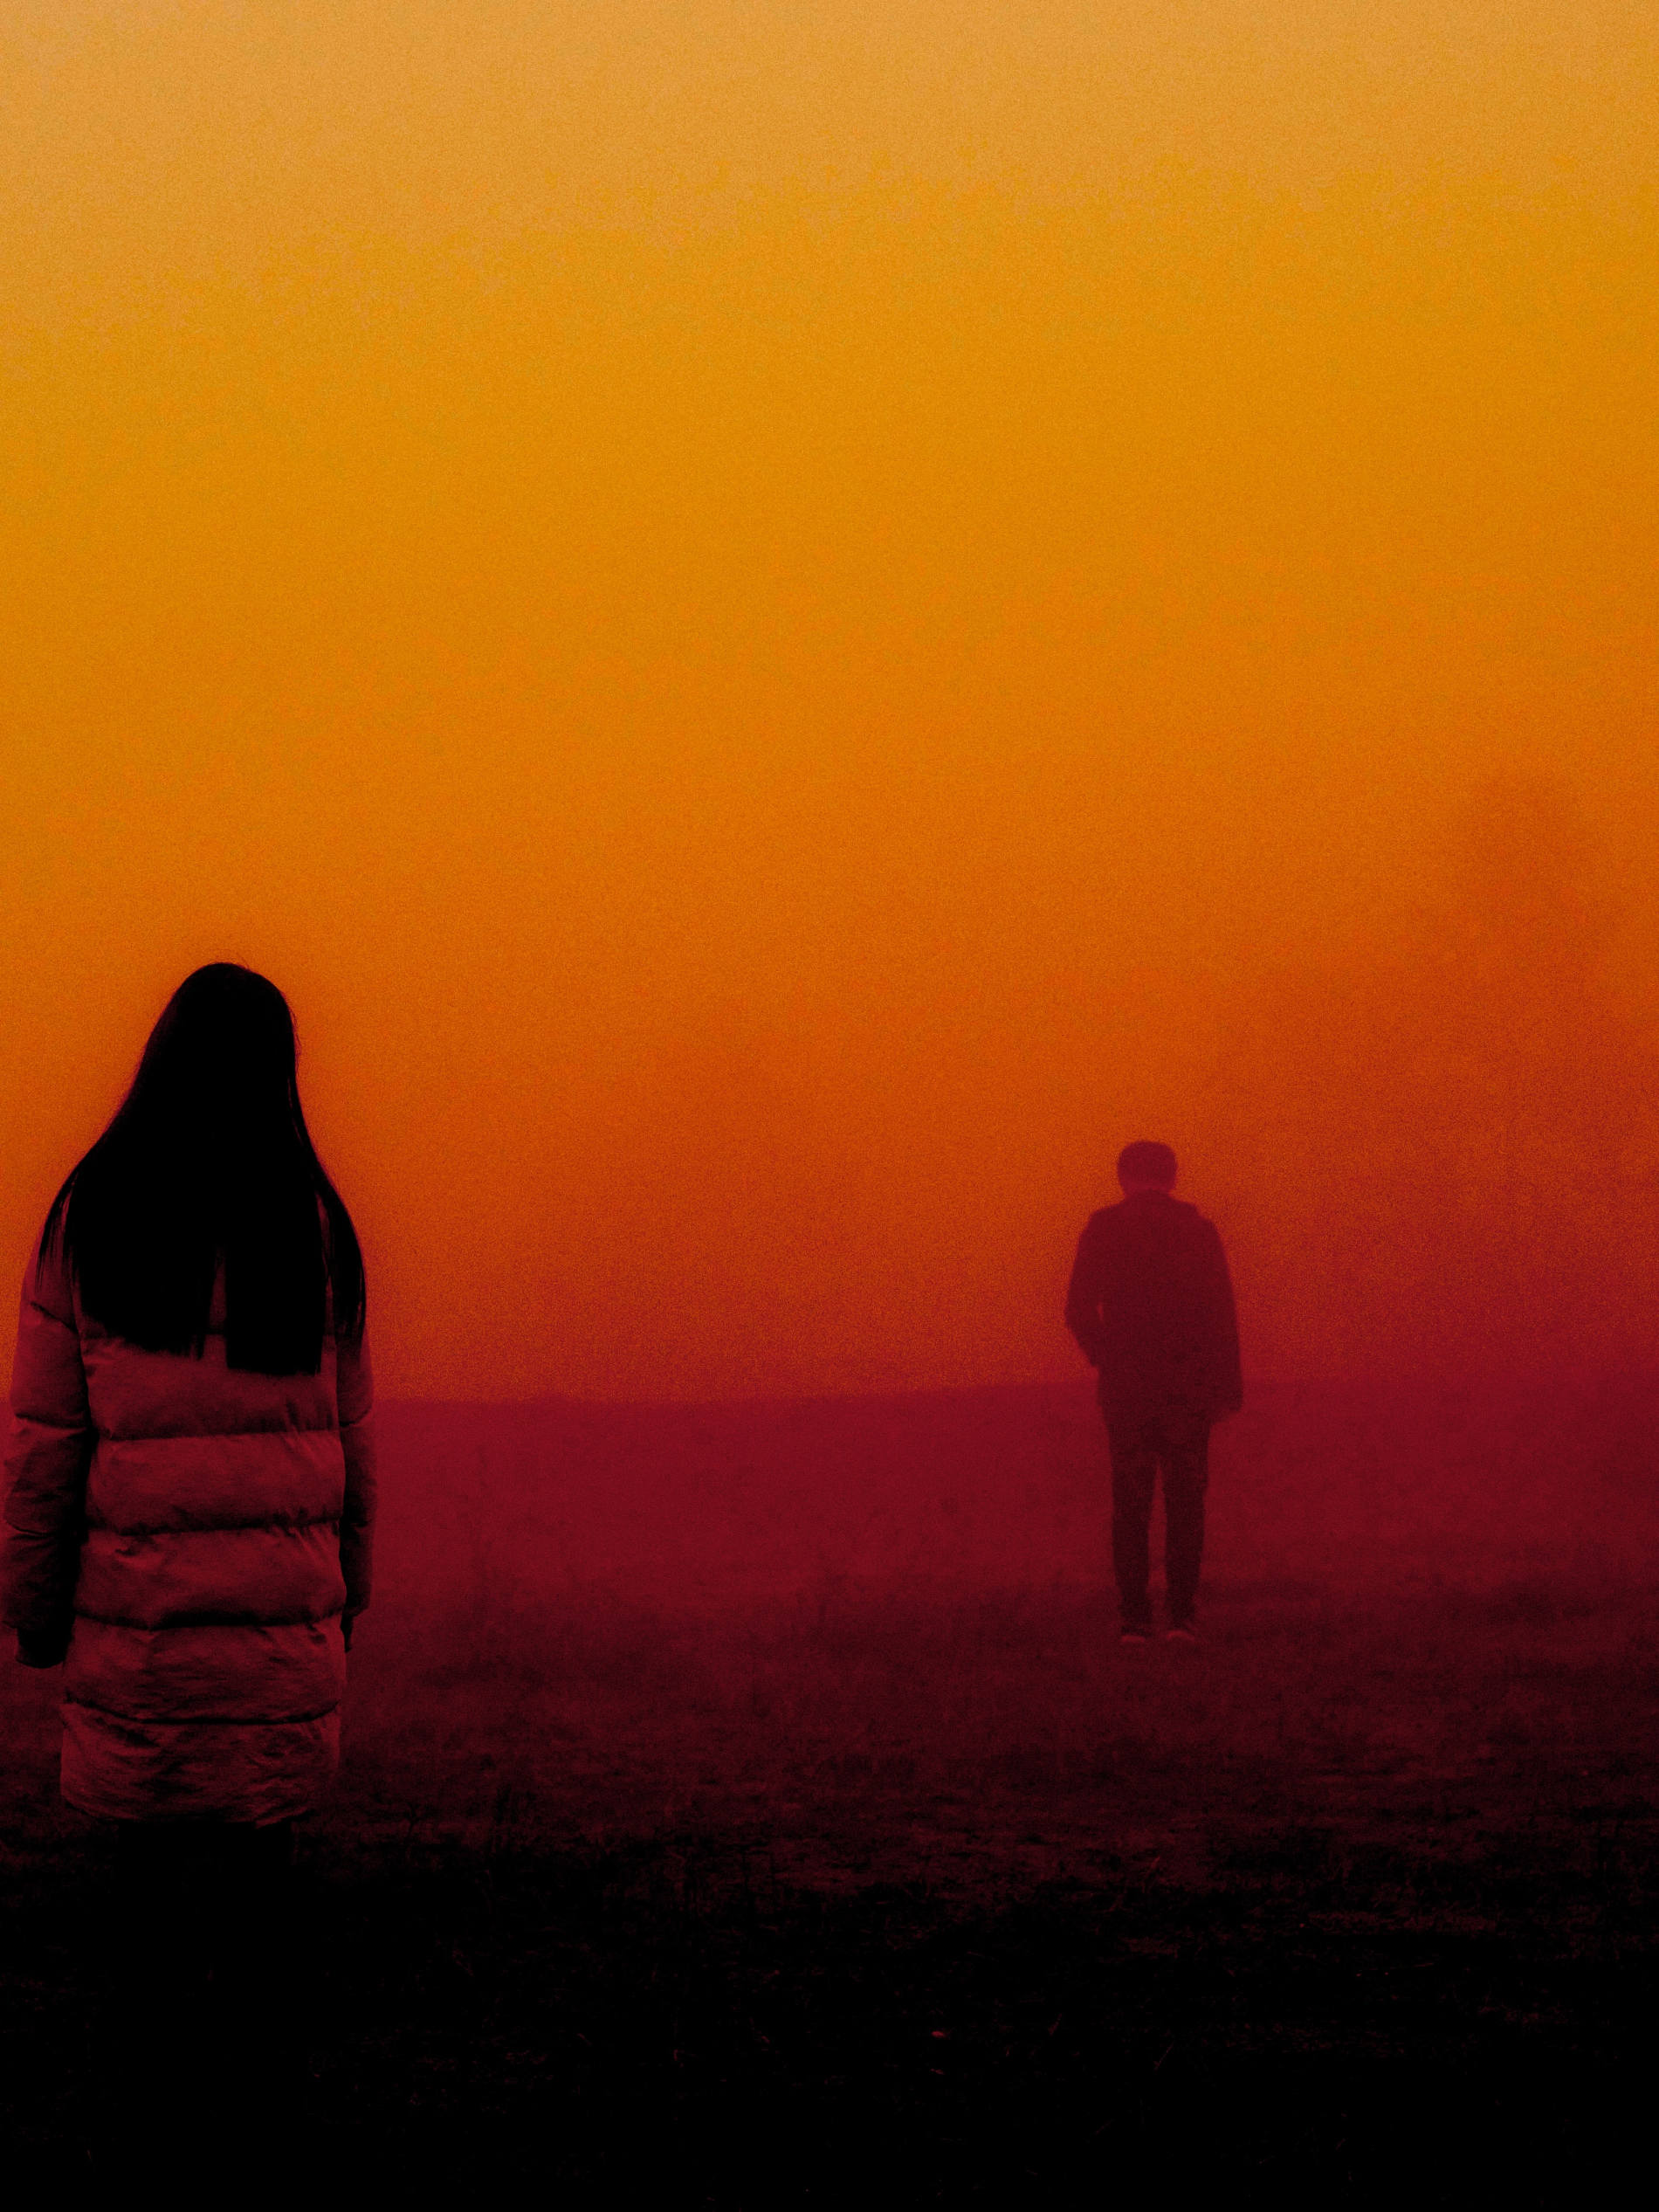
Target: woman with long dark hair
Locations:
point(191, 1498)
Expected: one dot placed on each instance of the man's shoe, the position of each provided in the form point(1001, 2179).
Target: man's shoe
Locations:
point(1183, 1632)
point(1135, 1636)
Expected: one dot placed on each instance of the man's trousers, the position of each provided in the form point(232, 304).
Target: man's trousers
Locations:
point(1142, 1445)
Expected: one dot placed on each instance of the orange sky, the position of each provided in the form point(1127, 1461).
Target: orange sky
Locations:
point(785, 621)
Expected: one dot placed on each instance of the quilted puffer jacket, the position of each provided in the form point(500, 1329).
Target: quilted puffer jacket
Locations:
point(193, 1541)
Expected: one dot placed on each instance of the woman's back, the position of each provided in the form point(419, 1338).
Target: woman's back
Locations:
point(192, 1493)
point(207, 1663)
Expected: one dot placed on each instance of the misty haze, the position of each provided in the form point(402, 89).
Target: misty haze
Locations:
point(664, 1707)
point(781, 628)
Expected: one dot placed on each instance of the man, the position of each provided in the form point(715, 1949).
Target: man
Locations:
point(1151, 1303)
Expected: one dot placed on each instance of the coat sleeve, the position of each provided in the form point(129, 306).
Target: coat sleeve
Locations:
point(1082, 1297)
point(355, 1384)
point(46, 1462)
point(1227, 1381)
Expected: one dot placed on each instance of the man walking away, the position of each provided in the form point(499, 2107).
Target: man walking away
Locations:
point(1151, 1304)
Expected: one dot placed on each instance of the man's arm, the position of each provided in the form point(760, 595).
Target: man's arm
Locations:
point(1220, 1333)
point(1083, 1297)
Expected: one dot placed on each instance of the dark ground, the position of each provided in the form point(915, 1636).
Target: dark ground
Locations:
point(756, 1804)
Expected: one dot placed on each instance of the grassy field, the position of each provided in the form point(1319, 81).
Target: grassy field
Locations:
point(756, 1804)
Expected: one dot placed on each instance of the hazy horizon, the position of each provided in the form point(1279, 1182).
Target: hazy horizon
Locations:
point(784, 627)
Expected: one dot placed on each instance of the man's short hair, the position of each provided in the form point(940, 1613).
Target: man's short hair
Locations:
point(1147, 1162)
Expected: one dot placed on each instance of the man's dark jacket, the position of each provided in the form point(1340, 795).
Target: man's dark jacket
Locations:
point(1151, 1303)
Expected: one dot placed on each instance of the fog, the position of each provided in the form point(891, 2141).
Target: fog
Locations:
point(1441, 1142)
point(782, 630)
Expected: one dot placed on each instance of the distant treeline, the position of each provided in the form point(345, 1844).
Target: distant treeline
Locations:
point(1441, 1148)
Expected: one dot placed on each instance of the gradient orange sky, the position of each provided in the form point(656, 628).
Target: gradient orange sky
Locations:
point(785, 622)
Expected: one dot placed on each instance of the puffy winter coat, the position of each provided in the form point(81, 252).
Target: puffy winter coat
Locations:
point(189, 1538)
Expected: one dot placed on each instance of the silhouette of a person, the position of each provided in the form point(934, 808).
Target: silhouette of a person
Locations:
point(188, 1533)
point(1151, 1304)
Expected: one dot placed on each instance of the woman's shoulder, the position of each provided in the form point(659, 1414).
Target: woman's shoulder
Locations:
point(49, 1280)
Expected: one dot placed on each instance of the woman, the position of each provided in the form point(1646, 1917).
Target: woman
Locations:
point(192, 1493)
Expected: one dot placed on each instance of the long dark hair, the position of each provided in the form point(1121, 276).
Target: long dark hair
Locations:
point(208, 1160)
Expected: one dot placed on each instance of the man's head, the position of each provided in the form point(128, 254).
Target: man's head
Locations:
point(1145, 1166)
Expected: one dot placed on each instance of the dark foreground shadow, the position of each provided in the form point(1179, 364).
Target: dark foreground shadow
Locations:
point(939, 1900)
point(1306, 2021)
